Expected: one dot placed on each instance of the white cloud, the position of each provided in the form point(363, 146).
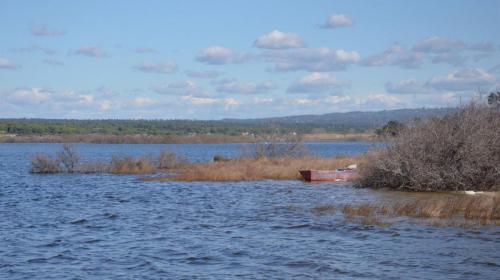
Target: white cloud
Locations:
point(311, 59)
point(178, 88)
point(437, 44)
point(203, 74)
point(467, 79)
point(218, 55)
point(105, 105)
point(483, 47)
point(410, 86)
point(152, 67)
point(262, 100)
point(379, 100)
point(7, 64)
point(338, 20)
point(45, 31)
point(199, 100)
point(29, 96)
point(337, 99)
point(395, 55)
point(279, 40)
point(452, 58)
point(238, 87)
point(90, 51)
point(142, 101)
point(318, 83)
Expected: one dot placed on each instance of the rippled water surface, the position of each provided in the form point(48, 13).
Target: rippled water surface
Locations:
point(117, 227)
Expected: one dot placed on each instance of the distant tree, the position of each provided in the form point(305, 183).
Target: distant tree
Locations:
point(68, 157)
point(494, 99)
point(392, 128)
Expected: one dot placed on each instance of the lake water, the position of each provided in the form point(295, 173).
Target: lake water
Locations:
point(117, 227)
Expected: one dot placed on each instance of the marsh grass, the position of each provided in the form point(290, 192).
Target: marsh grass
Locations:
point(463, 210)
point(125, 164)
point(252, 169)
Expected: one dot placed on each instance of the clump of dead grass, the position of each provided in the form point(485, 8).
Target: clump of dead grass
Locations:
point(252, 169)
point(457, 209)
point(125, 164)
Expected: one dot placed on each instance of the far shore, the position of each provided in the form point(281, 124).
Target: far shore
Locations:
point(174, 139)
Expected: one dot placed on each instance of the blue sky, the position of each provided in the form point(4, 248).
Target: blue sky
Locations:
point(242, 59)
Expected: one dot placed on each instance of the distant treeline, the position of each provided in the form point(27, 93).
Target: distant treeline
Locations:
point(27, 127)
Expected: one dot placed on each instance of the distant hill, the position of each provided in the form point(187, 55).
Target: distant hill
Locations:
point(357, 122)
point(356, 118)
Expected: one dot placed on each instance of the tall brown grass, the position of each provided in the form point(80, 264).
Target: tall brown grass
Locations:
point(252, 169)
point(125, 164)
point(457, 152)
point(483, 208)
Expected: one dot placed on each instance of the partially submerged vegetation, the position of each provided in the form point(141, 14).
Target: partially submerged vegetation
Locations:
point(458, 152)
point(67, 160)
point(459, 208)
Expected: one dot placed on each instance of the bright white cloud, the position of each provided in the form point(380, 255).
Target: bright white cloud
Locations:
point(338, 20)
point(152, 67)
point(311, 59)
point(218, 55)
point(279, 40)
point(239, 87)
point(325, 83)
point(199, 100)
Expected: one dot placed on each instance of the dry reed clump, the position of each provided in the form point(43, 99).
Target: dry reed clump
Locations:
point(44, 164)
point(482, 208)
point(457, 152)
point(252, 169)
point(169, 159)
point(67, 160)
point(125, 164)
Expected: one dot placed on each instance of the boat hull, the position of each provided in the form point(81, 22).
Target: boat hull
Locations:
point(328, 175)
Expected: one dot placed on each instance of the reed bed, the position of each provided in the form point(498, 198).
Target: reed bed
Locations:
point(253, 169)
point(484, 208)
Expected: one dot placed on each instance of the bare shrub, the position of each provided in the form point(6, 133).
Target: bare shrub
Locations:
point(169, 159)
point(68, 157)
point(125, 164)
point(460, 151)
point(45, 164)
point(93, 167)
point(276, 145)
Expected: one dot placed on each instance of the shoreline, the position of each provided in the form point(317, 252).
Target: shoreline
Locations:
point(175, 139)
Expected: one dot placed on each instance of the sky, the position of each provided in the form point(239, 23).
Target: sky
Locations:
point(242, 59)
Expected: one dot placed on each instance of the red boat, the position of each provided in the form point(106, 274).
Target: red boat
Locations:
point(328, 175)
